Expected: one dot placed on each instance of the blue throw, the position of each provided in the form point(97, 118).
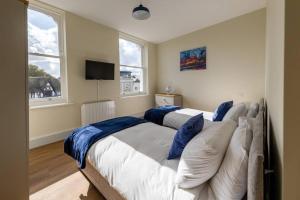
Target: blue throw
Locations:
point(156, 115)
point(79, 142)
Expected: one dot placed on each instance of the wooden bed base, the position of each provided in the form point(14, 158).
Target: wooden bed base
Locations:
point(100, 183)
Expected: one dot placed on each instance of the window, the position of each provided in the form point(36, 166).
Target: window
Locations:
point(133, 72)
point(46, 55)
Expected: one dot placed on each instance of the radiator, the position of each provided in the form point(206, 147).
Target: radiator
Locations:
point(97, 111)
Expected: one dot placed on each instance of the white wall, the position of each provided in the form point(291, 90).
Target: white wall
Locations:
point(13, 102)
point(88, 40)
point(274, 88)
point(283, 96)
point(235, 63)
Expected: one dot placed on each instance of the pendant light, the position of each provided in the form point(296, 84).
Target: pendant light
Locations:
point(141, 13)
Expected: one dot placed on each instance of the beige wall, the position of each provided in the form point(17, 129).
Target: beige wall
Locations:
point(13, 102)
point(88, 40)
point(274, 88)
point(235, 63)
point(291, 101)
point(283, 96)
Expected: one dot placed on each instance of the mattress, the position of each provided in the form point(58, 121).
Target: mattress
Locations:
point(133, 161)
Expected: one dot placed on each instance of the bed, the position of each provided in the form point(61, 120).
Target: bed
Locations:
point(122, 167)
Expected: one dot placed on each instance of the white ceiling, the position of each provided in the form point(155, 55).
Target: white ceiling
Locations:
point(169, 18)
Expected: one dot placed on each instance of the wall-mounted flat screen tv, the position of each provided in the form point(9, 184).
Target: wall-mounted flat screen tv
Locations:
point(95, 70)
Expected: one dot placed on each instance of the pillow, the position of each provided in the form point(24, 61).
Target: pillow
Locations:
point(230, 182)
point(256, 160)
point(222, 110)
point(186, 132)
point(203, 155)
point(253, 110)
point(235, 112)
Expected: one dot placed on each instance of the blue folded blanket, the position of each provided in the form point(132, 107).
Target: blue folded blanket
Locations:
point(156, 115)
point(79, 142)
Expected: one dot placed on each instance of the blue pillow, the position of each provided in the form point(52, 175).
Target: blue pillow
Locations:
point(184, 134)
point(222, 110)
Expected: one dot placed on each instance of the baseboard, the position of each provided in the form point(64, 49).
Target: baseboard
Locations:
point(48, 139)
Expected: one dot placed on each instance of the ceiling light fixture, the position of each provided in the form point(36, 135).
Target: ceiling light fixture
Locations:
point(141, 13)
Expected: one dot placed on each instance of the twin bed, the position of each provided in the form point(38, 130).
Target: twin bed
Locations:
point(132, 164)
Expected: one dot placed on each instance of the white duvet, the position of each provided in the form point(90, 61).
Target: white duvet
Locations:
point(134, 163)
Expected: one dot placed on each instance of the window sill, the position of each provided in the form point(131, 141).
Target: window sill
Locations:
point(134, 95)
point(50, 106)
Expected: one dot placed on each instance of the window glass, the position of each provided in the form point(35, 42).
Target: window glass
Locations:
point(45, 61)
point(132, 70)
point(131, 80)
point(42, 33)
point(130, 53)
point(44, 77)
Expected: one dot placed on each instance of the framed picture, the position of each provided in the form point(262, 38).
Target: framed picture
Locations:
point(194, 59)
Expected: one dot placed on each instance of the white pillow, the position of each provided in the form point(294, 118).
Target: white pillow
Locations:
point(231, 180)
point(253, 110)
point(235, 112)
point(203, 155)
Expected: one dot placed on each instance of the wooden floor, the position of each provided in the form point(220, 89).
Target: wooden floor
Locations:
point(54, 176)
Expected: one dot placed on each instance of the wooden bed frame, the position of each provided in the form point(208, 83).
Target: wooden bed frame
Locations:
point(100, 183)
point(110, 193)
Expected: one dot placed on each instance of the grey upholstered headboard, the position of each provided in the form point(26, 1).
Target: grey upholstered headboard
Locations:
point(256, 158)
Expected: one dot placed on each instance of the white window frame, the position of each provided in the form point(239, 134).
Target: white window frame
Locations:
point(59, 16)
point(144, 65)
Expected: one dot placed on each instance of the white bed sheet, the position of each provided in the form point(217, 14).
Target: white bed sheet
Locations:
point(134, 163)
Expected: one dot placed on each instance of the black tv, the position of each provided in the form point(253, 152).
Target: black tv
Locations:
point(95, 70)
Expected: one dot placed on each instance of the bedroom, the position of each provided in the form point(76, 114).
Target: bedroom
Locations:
point(248, 49)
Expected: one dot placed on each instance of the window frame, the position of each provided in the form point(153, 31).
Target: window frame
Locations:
point(144, 64)
point(59, 16)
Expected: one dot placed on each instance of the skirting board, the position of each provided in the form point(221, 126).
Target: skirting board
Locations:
point(48, 139)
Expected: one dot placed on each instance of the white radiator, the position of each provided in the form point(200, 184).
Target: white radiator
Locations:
point(97, 111)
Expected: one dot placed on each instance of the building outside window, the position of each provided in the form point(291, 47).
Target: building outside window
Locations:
point(133, 71)
point(46, 55)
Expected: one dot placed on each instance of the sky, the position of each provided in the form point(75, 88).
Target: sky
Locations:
point(43, 38)
point(130, 53)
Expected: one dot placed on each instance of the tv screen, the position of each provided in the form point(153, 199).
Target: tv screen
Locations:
point(95, 70)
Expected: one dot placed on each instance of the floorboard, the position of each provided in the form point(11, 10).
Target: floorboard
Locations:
point(54, 176)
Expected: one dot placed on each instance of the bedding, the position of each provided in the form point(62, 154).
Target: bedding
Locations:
point(235, 112)
point(203, 155)
point(222, 110)
point(156, 115)
point(79, 142)
point(177, 118)
point(230, 182)
point(134, 162)
point(256, 158)
point(184, 134)
point(253, 110)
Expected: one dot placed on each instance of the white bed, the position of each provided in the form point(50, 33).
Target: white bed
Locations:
point(132, 167)
point(132, 164)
